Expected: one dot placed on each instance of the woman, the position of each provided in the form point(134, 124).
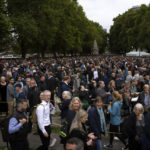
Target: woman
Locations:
point(64, 105)
point(114, 111)
point(135, 127)
point(97, 123)
point(78, 129)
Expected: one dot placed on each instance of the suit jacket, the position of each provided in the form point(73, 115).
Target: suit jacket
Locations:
point(51, 84)
point(141, 98)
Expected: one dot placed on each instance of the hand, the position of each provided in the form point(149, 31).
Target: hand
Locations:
point(23, 121)
point(92, 136)
point(58, 101)
point(136, 137)
point(45, 134)
point(89, 142)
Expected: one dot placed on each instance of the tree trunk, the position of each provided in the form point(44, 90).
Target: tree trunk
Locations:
point(23, 50)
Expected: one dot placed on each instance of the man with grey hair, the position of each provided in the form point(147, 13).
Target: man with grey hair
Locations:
point(43, 118)
point(74, 144)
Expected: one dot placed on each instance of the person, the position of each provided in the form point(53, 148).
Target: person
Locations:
point(19, 92)
point(135, 127)
point(96, 120)
point(3, 89)
point(26, 87)
point(78, 129)
point(74, 144)
point(144, 98)
point(115, 118)
point(18, 127)
point(10, 96)
point(43, 118)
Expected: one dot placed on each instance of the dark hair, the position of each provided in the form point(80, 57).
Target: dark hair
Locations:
point(79, 144)
point(98, 98)
point(20, 102)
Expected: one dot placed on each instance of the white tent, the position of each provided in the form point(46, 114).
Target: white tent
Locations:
point(133, 53)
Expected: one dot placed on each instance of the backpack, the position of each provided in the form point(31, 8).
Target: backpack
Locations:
point(33, 117)
point(4, 124)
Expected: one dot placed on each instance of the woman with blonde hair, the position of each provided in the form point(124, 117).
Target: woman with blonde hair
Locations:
point(114, 111)
point(78, 129)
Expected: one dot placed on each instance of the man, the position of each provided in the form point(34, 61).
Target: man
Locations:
point(64, 86)
point(51, 84)
point(144, 98)
point(18, 127)
point(10, 95)
point(19, 92)
point(100, 91)
point(42, 84)
point(43, 118)
point(74, 144)
point(26, 87)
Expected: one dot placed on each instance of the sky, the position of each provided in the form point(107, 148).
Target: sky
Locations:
point(103, 11)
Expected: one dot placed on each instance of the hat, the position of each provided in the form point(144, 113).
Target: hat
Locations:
point(18, 85)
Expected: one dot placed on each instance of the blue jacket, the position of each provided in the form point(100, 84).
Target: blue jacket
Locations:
point(115, 113)
point(94, 121)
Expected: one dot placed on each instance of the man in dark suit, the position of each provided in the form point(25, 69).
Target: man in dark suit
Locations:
point(144, 98)
point(51, 84)
point(64, 86)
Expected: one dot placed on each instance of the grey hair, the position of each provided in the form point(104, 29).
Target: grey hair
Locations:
point(139, 107)
point(67, 95)
point(75, 141)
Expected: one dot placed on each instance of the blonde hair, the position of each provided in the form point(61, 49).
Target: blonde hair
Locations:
point(76, 123)
point(139, 107)
point(72, 102)
point(117, 96)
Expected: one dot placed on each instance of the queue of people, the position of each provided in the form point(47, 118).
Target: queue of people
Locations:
point(96, 96)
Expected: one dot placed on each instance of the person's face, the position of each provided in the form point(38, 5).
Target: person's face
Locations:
point(47, 96)
point(18, 89)
point(94, 84)
point(28, 82)
point(82, 88)
point(76, 105)
point(146, 89)
point(19, 79)
point(41, 96)
point(25, 106)
point(102, 85)
point(99, 104)
point(84, 119)
point(32, 83)
point(138, 112)
point(70, 146)
point(43, 78)
point(11, 81)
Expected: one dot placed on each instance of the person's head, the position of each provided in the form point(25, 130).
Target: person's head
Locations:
point(98, 102)
point(41, 96)
point(42, 78)
point(146, 88)
point(47, 95)
point(21, 105)
point(129, 73)
point(147, 77)
point(67, 79)
point(75, 104)
point(94, 84)
point(113, 75)
point(19, 79)
point(111, 84)
point(101, 84)
point(32, 83)
point(83, 115)
point(74, 144)
point(82, 88)
point(116, 96)
point(127, 84)
point(66, 95)
point(11, 80)
point(138, 109)
point(18, 88)
point(2, 79)
point(28, 81)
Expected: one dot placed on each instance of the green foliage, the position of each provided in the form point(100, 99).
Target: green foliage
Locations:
point(5, 27)
point(131, 30)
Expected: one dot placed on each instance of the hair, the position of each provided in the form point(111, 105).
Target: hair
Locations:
point(46, 91)
point(20, 102)
point(76, 123)
point(117, 96)
point(67, 95)
point(146, 86)
point(139, 107)
point(75, 141)
point(110, 83)
point(72, 101)
point(98, 98)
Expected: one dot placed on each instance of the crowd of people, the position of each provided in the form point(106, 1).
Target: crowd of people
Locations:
point(97, 96)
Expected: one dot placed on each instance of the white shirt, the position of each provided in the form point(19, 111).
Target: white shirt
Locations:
point(43, 115)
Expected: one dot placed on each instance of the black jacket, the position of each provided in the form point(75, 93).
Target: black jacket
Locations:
point(51, 84)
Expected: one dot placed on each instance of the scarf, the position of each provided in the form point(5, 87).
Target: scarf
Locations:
point(102, 120)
